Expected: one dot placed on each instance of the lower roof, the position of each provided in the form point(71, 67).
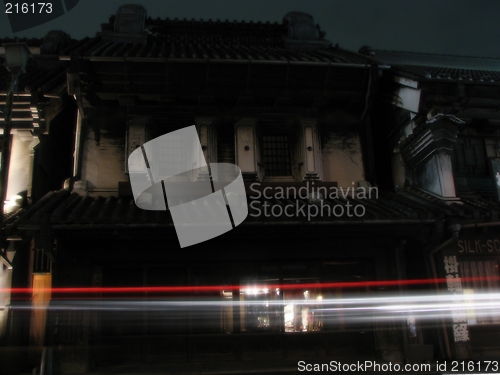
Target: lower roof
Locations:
point(64, 210)
point(440, 67)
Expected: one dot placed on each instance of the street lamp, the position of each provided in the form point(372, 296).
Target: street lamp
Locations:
point(16, 60)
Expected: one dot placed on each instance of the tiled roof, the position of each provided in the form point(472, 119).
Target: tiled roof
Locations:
point(44, 82)
point(440, 67)
point(231, 29)
point(10, 217)
point(200, 40)
point(434, 60)
point(43, 73)
point(49, 45)
point(31, 43)
point(45, 78)
point(35, 78)
point(213, 40)
point(164, 40)
point(440, 73)
point(209, 47)
point(65, 210)
point(195, 39)
point(478, 208)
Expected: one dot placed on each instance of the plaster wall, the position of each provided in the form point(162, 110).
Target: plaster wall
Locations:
point(342, 159)
point(19, 167)
point(436, 175)
point(398, 170)
point(103, 164)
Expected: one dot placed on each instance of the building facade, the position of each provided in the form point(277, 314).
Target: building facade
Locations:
point(362, 172)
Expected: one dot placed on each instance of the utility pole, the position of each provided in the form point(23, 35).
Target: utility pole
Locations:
point(16, 60)
point(5, 160)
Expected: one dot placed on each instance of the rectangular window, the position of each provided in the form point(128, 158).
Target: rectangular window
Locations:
point(470, 166)
point(471, 156)
point(480, 277)
point(276, 154)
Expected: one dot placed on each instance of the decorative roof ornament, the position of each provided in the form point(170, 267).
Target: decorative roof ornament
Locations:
point(301, 26)
point(130, 19)
point(129, 25)
point(438, 133)
point(302, 33)
point(433, 117)
point(53, 42)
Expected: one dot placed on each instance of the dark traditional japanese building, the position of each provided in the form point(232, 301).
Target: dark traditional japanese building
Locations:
point(442, 143)
point(395, 155)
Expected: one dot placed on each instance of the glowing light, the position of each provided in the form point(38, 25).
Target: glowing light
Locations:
point(255, 291)
point(346, 310)
point(13, 204)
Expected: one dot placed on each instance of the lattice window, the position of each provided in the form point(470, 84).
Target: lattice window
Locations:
point(276, 155)
point(470, 167)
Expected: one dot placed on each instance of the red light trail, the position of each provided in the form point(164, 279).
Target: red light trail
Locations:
point(230, 288)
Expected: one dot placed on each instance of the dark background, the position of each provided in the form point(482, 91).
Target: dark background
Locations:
point(457, 27)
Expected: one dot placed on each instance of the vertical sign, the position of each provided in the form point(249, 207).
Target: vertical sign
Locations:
point(454, 284)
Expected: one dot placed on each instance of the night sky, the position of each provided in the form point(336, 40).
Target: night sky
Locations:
point(456, 27)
